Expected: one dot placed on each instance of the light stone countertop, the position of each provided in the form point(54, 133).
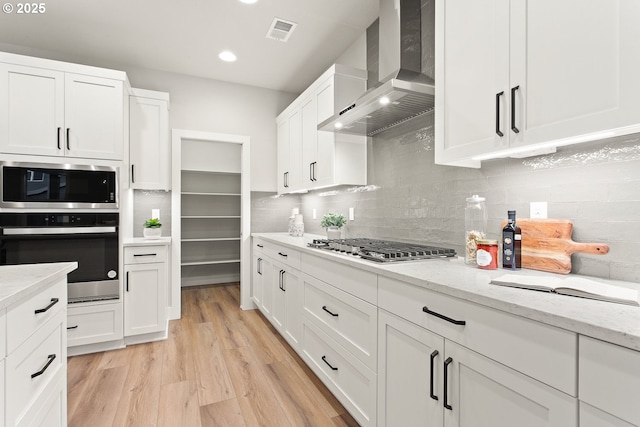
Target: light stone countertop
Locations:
point(142, 241)
point(21, 281)
point(615, 323)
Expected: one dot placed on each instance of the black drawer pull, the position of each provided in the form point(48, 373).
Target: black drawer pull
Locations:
point(145, 255)
point(68, 143)
point(51, 358)
point(443, 317)
point(260, 246)
point(513, 109)
point(133, 175)
point(54, 301)
point(281, 254)
point(324, 359)
point(433, 356)
point(72, 327)
point(324, 307)
point(498, 131)
point(446, 381)
point(59, 148)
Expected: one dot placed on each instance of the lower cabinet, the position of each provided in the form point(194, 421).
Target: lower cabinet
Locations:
point(145, 297)
point(90, 324)
point(425, 379)
point(286, 313)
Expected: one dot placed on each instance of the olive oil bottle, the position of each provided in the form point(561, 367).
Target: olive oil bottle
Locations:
point(511, 243)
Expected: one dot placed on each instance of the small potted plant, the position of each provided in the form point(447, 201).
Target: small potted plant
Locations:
point(152, 228)
point(333, 224)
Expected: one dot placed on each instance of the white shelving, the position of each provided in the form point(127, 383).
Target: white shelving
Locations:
point(211, 226)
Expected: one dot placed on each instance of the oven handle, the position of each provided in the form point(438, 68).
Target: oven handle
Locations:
point(57, 230)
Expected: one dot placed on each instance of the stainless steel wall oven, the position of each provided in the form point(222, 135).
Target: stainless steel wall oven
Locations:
point(91, 239)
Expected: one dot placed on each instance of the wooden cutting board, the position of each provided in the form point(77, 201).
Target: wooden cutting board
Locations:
point(547, 245)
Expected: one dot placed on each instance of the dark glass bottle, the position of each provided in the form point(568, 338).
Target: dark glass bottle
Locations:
point(511, 243)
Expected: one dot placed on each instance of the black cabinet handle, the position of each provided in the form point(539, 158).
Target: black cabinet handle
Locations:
point(281, 254)
point(286, 179)
point(54, 301)
point(68, 143)
point(311, 171)
point(259, 266)
point(314, 171)
point(443, 317)
point(135, 255)
point(324, 307)
point(498, 131)
point(324, 359)
point(72, 327)
point(127, 281)
point(59, 129)
point(281, 286)
point(433, 356)
point(133, 175)
point(513, 109)
point(51, 358)
point(446, 381)
point(260, 246)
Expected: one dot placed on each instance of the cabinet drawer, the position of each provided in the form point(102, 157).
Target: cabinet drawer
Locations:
point(145, 254)
point(282, 254)
point(347, 319)
point(543, 352)
point(22, 319)
point(93, 324)
point(363, 284)
point(594, 417)
point(351, 382)
point(609, 378)
point(33, 366)
point(50, 408)
point(258, 246)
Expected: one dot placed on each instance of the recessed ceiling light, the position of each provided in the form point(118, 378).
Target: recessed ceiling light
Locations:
point(248, 1)
point(338, 125)
point(227, 56)
point(384, 100)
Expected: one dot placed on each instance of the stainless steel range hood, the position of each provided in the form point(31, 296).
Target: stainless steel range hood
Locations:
point(405, 93)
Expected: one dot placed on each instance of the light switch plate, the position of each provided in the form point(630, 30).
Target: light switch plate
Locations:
point(155, 213)
point(314, 215)
point(538, 210)
point(352, 214)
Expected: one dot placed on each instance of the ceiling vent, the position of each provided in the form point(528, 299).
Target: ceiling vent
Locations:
point(281, 30)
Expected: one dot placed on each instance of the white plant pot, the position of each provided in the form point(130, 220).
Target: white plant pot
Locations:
point(152, 233)
point(334, 233)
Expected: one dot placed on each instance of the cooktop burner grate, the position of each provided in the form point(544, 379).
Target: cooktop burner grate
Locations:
point(382, 250)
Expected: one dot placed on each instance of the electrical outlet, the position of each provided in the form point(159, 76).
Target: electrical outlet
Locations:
point(352, 214)
point(538, 210)
point(155, 213)
point(314, 215)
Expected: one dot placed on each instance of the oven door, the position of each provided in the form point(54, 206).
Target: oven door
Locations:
point(95, 249)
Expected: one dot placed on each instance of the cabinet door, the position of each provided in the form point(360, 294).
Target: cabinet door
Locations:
point(145, 299)
point(257, 286)
point(409, 390)
point(2, 392)
point(31, 110)
point(484, 393)
point(309, 141)
point(93, 117)
point(293, 307)
point(472, 67)
point(562, 91)
point(268, 286)
point(294, 179)
point(149, 143)
point(324, 169)
point(283, 156)
point(279, 305)
point(594, 417)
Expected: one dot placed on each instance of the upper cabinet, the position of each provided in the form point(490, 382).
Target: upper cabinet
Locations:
point(51, 111)
point(513, 77)
point(308, 158)
point(149, 140)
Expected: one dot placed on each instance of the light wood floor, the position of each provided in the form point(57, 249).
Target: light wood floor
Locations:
point(220, 366)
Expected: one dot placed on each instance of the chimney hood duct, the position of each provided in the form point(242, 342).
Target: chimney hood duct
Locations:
point(405, 93)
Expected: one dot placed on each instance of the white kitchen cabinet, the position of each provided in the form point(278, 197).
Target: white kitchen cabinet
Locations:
point(286, 313)
point(145, 293)
point(308, 158)
point(93, 323)
point(519, 75)
point(3, 353)
point(609, 380)
point(50, 112)
point(149, 140)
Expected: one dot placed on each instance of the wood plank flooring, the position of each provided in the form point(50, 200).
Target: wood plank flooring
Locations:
point(220, 366)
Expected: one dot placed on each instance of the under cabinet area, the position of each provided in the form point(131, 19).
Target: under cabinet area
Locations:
point(49, 108)
point(532, 79)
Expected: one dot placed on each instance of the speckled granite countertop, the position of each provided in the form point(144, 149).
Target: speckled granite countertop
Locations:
point(615, 323)
point(20, 281)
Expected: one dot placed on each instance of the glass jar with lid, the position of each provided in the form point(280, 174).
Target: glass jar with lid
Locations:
point(475, 221)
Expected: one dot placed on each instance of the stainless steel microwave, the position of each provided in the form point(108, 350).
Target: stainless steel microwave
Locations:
point(51, 186)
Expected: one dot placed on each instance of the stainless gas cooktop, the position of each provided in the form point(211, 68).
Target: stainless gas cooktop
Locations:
point(382, 250)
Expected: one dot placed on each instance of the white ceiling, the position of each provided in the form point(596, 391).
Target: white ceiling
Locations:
point(185, 36)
